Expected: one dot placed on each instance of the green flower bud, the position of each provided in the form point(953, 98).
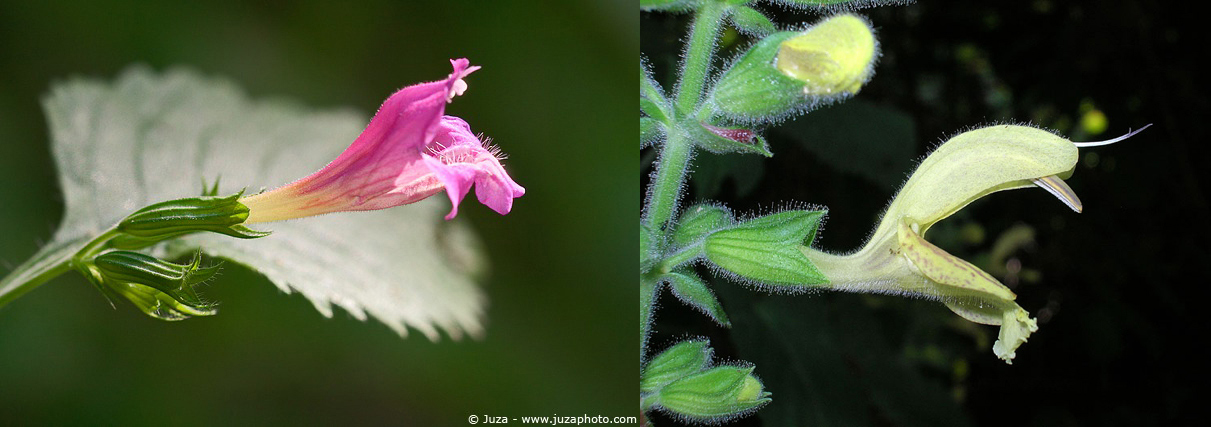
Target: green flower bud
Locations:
point(160, 289)
point(715, 394)
point(766, 249)
point(173, 218)
point(791, 72)
point(682, 359)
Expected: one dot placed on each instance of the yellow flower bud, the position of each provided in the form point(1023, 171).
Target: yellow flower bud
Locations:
point(832, 57)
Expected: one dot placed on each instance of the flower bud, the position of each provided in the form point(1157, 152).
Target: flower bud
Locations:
point(715, 394)
point(832, 57)
point(682, 359)
point(791, 72)
point(160, 289)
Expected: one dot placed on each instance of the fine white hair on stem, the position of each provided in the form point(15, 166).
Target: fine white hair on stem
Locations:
point(1111, 141)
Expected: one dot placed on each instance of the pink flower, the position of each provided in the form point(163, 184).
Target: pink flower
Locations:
point(410, 150)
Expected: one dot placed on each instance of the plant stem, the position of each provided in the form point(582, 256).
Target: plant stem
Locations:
point(48, 263)
point(676, 151)
point(698, 54)
point(647, 302)
point(667, 184)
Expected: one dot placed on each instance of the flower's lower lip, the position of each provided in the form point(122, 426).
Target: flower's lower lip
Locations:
point(1056, 186)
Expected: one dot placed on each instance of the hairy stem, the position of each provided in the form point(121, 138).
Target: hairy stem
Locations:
point(676, 151)
point(667, 183)
point(647, 301)
point(698, 54)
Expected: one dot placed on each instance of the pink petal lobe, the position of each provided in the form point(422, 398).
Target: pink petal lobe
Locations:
point(457, 179)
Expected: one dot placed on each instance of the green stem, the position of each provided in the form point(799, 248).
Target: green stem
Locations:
point(698, 54)
point(666, 187)
point(677, 148)
point(48, 263)
point(647, 301)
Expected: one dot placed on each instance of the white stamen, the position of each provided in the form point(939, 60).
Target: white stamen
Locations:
point(457, 89)
point(1111, 141)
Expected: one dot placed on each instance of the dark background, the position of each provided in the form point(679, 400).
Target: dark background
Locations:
point(1119, 289)
point(559, 329)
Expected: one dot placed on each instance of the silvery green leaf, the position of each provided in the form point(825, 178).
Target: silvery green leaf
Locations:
point(149, 137)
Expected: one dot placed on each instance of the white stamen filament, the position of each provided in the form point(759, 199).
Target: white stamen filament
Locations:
point(1111, 141)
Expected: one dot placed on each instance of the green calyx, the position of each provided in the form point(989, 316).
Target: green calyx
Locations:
point(159, 288)
point(681, 380)
point(715, 394)
point(174, 218)
point(682, 359)
point(766, 249)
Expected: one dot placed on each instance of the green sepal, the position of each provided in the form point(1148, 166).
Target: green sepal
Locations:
point(766, 249)
point(753, 90)
point(699, 221)
point(726, 139)
point(211, 190)
point(692, 291)
point(751, 21)
point(682, 359)
point(159, 288)
point(174, 218)
point(716, 394)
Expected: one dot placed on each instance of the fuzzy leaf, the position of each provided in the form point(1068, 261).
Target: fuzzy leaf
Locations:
point(149, 137)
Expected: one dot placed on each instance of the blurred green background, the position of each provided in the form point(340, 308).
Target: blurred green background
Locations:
point(1118, 289)
point(560, 321)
